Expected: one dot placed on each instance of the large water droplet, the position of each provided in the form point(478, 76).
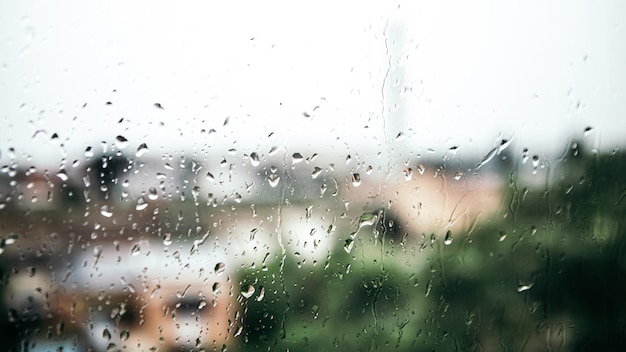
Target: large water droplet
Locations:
point(62, 175)
point(105, 210)
point(143, 149)
point(273, 179)
point(348, 245)
point(220, 268)
point(124, 335)
point(106, 334)
point(316, 172)
point(141, 204)
point(247, 291)
point(167, 239)
point(152, 194)
point(296, 158)
point(254, 159)
point(216, 288)
point(448, 238)
point(121, 142)
point(356, 180)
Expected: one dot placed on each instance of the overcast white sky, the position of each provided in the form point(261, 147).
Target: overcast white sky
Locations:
point(461, 73)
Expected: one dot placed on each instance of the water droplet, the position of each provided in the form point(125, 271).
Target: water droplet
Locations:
point(501, 236)
point(237, 197)
point(448, 238)
point(121, 142)
point(135, 250)
point(254, 159)
point(158, 106)
point(216, 288)
point(153, 194)
point(210, 177)
point(143, 149)
point(356, 180)
point(408, 173)
point(296, 158)
point(106, 334)
point(220, 268)
point(274, 150)
point(167, 239)
point(62, 174)
point(524, 155)
point(487, 158)
point(316, 172)
point(587, 131)
point(141, 204)
point(124, 335)
point(458, 175)
point(420, 169)
point(105, 210)
point(247, 291)
point(261, 295)
point(273, 179)
point(524, 287)
point(348, 245)
point(88, 152)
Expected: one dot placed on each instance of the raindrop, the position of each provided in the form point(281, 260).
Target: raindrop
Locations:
point(316, 172)
point(124, 335)
point(202, 304)
point(105, 210)
point(488, 157)
point(524, 287)
point(524, 155)
point(220, 268)
point(237, 197)
point(152, 193)
point(143, 149)
point(158, 106)
point(106, 334)
point(420, 169)
point(141, 204)
point(88, 152)
point(348, 245)
point(356, 180)
point(458, 175)
point(274, 150)
point(296, 158)
point(502, 236)
point(587, 131)
point(261, 294)
point(408, 173)
point(210, 177)
point(448, 238)
point(216, 288)
point(254, 159)
point(121, 142)
point(167, 239)
point(62, 174)
point(247, 291)
point(273, 179)
point(135, 250)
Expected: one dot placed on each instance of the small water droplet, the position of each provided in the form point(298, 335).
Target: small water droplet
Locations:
point(408, 173)
point(247, 291)
point(152, 193)
point(220, 268)
point(421, 169)
point(202, 304)
point(448, 238)
point(274, 150)
point(296, 158)
point(356, 180)
point(142, 149)
point(167, 239)
point(210, 177)
point(524, 287)
point(106, 334)
point(237, 197)
point(587, 131)
point(62, 175)
point(316, 172)
point(216, 288)
point(105, 210)
point(124, 335)
point(501, 236)
point(261, 295)
point(254, 159)
point(273, 179)
point(88, 152)
point(141, 204)
point(458, 175)
point(348, 245)
point(135, 250)
point(121, 142)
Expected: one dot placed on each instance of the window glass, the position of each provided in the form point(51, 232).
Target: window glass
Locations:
point(257, 176)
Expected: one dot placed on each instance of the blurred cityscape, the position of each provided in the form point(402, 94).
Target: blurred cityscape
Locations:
point(264, 251)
